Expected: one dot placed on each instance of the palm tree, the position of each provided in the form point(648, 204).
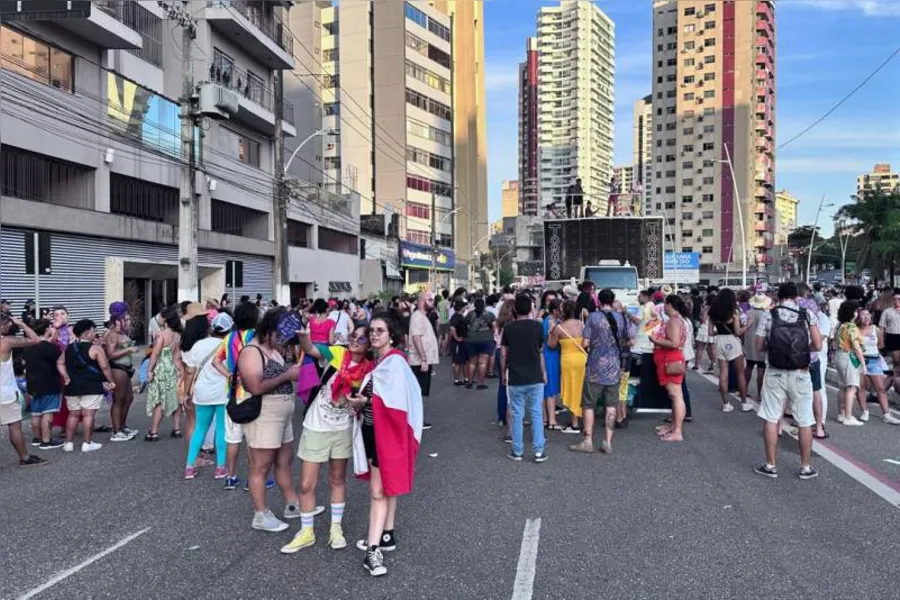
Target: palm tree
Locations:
point(875, 216)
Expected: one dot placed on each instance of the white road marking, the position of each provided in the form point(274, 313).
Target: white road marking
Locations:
point(71, 571)
point(525, 571)
point(855, 469)
point(892, 461)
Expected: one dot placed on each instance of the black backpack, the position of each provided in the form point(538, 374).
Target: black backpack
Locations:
point(788, 346)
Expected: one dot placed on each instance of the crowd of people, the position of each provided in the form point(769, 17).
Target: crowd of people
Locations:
point(228, 375)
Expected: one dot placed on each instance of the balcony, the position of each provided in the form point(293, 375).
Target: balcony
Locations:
point(104, 26)
point(258, 32)
point(256, 107)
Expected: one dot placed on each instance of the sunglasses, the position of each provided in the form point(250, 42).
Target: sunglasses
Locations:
point(377, 330)
point(361, 340)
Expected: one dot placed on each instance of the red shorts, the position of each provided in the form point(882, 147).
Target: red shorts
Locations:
point(663, 356)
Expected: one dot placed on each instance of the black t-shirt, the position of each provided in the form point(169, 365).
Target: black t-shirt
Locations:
point(460, 324)
point(696, 307)
point(40, 369)
point(525, 340)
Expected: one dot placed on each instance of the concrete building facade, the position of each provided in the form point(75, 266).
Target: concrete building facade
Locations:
point(785, 216)
point(881, 177)
point(642, 149)
point(576, 72)
point(529, 183)
point(714, 105)
point(510, 199)
point(91, 157)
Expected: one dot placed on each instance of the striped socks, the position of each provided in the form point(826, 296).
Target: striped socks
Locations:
point(337, 512)
point(306, 519)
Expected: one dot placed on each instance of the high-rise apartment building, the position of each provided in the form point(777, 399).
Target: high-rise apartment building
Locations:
point(785, 216)
point(642, 148)
point(401, 86)
point(529, 184)
point(576, 69)
point(510, 199)
point(881, 178)
point(625, 175)
point(714, 108)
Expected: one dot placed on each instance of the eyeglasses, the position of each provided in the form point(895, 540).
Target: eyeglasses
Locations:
point(377, 330)
point(360, 340)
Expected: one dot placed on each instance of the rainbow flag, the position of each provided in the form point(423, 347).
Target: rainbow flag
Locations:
point(229, 351)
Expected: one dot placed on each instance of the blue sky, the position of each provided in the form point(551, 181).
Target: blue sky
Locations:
point(825, 48)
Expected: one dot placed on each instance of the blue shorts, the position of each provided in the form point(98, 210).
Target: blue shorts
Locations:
point(46, 404)
point(481, 348)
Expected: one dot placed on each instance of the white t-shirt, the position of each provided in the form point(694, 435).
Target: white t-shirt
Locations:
point(323, 415)
point(825, 330)
point(343, 327)
point(210, 387)
point(688, 349)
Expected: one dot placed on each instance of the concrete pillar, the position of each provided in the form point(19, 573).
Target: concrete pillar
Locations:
point(213, 284)
point(114, 280)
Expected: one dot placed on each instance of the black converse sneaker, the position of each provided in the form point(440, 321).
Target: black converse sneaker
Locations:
point(374, 562)
point(388, 542)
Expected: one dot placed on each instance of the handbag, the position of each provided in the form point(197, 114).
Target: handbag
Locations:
point(247, 410)
point(675, 368)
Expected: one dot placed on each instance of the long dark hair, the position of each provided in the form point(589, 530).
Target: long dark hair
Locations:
point(723, 307)
point(195, 330)
point(269, 324)
point(479, 307)
point(173, 321)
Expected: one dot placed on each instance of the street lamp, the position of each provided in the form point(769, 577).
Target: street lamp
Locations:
point(317, 133)
point(737, 197)
point(843, 233)
point(812, 238)
point(434, 250)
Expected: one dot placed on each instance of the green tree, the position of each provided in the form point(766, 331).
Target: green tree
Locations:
point(506, 275)
point(875, 217)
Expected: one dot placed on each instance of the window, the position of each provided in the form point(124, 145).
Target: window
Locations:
point(427, 104)
point(416, 16)
point(706, 249)
point(332, 108)
point(687, 199)
point(709, 8)
point(707, 214)
point(689, 79)
point(34, 59)
point(659, 126)
point(670, 173)
point(428, 132)
point(671, 30)
point(689, 11)
point(439, 30)
point(240, 147)
point(687, 232)
point(707, 163)
point(670, 142)
point(708, 146)
point(709, 94)
point(709, 76)
point(689, 62)
point(138, 198)
point(428, 77)
point(707, 197)
point(709, 128)
point(690, 28)
point(424, 157)
point(671, 77)
point(709, 111)
point(688, 131)
point(671, 46)
point(710, 58)
point(688, 114)
point(687, 249)
point(299, 234)
point(670, 158)
point(670, 110)
point(688, 164)
point(331, 81)
point(670, 205)
point(670, 94)
point(688, 147)
point(709, 42)
point(659, 143)
point(670, 189)
point(670, 126)
point(332, 28)
point(689, 96)
point(416, 43)
point(427, 185)
point(418, 237)
point(330, 55)
point(707, 232)
point(659, 47)
point(332, 162)
point(670, 62)
point(415, 209)
point(659, 79)
point(709, 25)
point(687, 216)
point(687, 182)
point(709, 180)
point(689, 45)
point(337, 241)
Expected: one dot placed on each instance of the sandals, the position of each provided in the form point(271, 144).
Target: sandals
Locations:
point(176, 434)
point(555, 427)
point(825, 435)
point(151, 437)
point(671, 437)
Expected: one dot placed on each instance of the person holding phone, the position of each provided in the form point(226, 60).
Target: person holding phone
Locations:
point(10, 398)
point(387, 437)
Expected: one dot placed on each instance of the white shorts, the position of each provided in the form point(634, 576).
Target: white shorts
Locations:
point(92, 402)
point(703, 336)
point(787, 389)
point(234, 432)
point(11, 412)
point(728, 348)
point(848, 375)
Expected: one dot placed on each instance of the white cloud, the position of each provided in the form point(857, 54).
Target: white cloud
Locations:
point(872, 8)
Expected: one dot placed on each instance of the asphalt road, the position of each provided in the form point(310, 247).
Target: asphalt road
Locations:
point(653, 520)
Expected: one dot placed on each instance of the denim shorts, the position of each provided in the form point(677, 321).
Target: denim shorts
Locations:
point(46, 404)
point(478, 348)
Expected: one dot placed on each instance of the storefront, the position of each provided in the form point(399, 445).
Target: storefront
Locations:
point(418, 261)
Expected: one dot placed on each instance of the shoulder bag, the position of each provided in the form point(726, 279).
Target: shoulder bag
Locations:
point(677, 367)
point(247, 410)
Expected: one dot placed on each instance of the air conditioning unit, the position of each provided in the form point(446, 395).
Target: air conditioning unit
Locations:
point(218, 102)
point(699, 14)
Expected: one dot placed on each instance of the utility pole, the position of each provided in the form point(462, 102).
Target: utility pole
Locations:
point(434, 250)
point(187, 215)
point(281, 276)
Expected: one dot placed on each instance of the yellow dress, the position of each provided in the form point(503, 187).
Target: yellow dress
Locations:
point(572, 362)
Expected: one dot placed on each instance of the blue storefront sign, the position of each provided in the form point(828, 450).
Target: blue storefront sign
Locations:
point(419, 256)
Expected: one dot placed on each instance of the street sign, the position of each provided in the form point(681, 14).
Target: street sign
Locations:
point(681, 267)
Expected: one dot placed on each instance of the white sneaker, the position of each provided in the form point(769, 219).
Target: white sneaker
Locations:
point(852, 421)
point(85, 447)
point(746, 407)
point(120, 436)
point(891, 419)
point(840, 418)
point(68, 447)
point(266, 521)
point(727, 407)
point(864, 417)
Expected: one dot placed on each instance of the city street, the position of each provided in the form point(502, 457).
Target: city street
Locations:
point(653, 520)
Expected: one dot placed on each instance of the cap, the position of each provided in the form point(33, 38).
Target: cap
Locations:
point(222, 322)
point(194, 309)
point(658, 296)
